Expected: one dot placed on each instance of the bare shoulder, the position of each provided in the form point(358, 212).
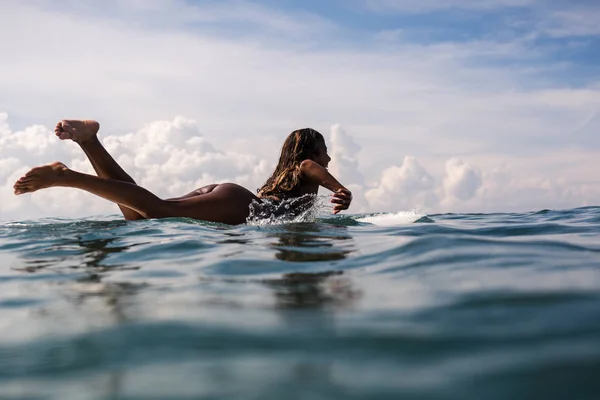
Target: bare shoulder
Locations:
point(308, 163)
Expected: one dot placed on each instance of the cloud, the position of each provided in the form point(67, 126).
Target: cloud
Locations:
point(433, 5)
point(588, 134)
point(527, 19)
point(405, 187)
point(572, 20)
point(177, 153)
point(462, 180)
point(234, 16)
point(344, 152)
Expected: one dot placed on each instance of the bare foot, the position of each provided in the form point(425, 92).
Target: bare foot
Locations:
point(76, 130)
point(40, 178)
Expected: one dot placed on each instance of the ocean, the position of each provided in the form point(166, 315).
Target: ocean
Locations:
point(385, 306)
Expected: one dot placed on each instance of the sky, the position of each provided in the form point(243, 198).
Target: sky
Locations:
point(439, 106)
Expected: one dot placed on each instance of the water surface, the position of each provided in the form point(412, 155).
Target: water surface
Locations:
point(456, 306)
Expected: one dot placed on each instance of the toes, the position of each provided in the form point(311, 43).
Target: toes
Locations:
point(23, 181)
point(68, 128)
point(23, 185)
point(21, 190)
point(18, 189)
point(64, 130)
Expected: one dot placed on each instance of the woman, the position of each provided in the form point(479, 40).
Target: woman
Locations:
point(302, 168)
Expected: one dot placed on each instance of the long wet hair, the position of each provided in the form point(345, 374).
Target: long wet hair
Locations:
point(300, 145)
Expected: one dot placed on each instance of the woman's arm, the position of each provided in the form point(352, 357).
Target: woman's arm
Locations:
point(313, 172)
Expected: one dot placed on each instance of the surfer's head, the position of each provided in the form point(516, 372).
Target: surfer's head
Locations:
point(300, 145)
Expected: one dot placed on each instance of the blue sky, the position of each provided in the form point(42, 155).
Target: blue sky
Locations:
point(547, 27)
point(544, 30)
point(562, 38)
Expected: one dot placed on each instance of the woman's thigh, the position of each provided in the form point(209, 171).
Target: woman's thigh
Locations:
point(226, 203)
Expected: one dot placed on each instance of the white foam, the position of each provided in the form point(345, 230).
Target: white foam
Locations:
point(392, 219)
point(300, 209)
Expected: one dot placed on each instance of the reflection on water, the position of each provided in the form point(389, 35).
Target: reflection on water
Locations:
point(299, 242)
point(234, 238)
point(310, 242)
point(91, 256)
point(118, 296)
point(313, 290)
point(75, 253)
point(95, 252)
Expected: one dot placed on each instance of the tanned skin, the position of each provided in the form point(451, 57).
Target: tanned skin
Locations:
point(226, 203)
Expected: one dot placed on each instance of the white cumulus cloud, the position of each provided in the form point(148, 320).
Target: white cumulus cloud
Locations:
point(403, 187)
point(462, 180)
point(344, 152)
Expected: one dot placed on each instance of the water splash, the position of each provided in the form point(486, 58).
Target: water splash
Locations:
point(306, 208)
point(393, 219)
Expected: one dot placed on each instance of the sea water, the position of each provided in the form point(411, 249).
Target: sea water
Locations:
point(398, 306)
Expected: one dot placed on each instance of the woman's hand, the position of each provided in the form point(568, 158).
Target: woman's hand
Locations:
point(342, 199)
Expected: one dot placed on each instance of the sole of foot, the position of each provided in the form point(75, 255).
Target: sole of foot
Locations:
point(40, 178)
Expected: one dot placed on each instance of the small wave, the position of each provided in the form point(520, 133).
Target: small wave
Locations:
point(57, 221)
point(393, 219)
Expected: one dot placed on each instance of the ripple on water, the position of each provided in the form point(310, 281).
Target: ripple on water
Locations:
point(390, 305)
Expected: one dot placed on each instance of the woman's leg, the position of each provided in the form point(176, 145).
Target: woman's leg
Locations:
point(227, 203)
point(84, 133)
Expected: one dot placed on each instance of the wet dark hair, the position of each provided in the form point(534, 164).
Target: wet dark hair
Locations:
point(300, 145)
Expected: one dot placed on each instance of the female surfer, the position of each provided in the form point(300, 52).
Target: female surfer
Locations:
point(302, 168)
